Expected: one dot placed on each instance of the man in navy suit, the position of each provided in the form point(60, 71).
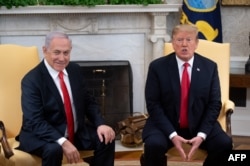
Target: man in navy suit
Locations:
point(163, 129)
point(44, 128)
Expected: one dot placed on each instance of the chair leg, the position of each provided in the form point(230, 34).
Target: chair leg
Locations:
point(142, 160)
point(88, 160)
point(5, 144)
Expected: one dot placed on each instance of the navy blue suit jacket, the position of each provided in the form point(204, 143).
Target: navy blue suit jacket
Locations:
point(162, 94)
point(43, 110)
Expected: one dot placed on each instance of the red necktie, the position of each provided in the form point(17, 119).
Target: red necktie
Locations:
point(184, 97)
point(68, 109)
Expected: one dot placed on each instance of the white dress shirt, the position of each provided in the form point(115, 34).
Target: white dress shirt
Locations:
point(54, 74)
point(181, 68)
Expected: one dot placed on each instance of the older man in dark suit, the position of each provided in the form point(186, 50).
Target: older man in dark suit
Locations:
point(51, 93)
point(181, 114)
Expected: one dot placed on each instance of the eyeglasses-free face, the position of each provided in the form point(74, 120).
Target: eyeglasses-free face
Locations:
point(185, 44)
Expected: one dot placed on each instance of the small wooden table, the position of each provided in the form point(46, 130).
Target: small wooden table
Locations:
point(239, 79)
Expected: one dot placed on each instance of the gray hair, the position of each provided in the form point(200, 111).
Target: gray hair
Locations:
point(50, 36)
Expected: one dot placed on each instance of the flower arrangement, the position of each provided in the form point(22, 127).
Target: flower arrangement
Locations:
point(17, 3)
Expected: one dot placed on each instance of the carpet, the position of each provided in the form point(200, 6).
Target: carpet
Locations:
point(170, 163)
point(132, 158)
point(137, 163)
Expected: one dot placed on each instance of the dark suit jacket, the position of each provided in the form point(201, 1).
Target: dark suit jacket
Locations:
point(43, 110)
point(162, 93)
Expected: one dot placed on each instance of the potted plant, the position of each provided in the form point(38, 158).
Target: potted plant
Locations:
point(17, 3)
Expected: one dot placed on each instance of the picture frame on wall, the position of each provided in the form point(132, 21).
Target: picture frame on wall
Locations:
point(235, 2)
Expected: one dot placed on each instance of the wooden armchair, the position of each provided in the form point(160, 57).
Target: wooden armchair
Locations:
point(219, 53)
point(15, 62)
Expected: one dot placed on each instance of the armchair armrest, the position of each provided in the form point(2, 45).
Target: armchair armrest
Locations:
point(229, 105)
point(229, 108)
point(4, 141)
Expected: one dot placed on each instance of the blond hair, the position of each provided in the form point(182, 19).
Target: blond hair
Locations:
point(185, 27)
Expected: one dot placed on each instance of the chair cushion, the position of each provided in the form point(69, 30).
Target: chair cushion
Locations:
point(21, 158)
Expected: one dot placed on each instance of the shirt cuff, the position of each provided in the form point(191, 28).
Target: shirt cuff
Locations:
point(202, 135)
point(172, 135)
point(61, 140)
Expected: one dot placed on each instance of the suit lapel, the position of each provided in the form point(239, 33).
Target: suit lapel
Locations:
point(51, 85)
point(75, 84)
point(195, 83)
point(73, 80)
point(175, 80)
